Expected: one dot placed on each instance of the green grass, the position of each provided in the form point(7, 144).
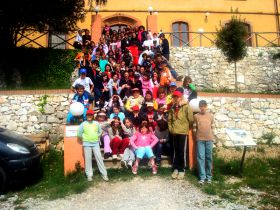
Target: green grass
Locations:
point(260, 174)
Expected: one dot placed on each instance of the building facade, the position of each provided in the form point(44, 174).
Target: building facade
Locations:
point(186, 22)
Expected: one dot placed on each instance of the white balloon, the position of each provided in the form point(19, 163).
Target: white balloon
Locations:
point(77, 109)
point(194, 104)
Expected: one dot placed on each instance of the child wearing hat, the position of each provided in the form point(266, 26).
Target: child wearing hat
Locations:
point(135, 99)
point(89, 133)
point(203, 125)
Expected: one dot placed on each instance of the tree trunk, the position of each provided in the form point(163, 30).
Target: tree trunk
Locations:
point(235, 74)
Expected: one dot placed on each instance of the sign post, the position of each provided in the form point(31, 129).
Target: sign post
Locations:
point(243, 138)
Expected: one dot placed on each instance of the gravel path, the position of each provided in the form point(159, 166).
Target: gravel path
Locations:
point(153, 193)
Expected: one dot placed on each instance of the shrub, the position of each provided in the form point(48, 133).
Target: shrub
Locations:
point(39, 68)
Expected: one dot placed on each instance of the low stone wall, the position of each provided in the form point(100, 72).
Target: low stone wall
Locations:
point(257, 72)
point(256, 113)
point(21, 113)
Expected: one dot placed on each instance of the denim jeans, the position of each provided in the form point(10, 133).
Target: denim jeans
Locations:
point(174, 73)
point(204, 159)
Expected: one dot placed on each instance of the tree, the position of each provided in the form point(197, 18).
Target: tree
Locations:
point(231, 39)
point(18, 16)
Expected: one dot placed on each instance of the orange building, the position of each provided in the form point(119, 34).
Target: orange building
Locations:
point(187, 22)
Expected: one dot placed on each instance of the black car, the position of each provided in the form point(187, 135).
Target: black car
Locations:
point(18, 156)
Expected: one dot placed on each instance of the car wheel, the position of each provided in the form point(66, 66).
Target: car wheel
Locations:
point(3, 180)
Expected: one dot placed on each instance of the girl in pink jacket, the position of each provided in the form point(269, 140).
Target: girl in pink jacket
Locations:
point(143, 142)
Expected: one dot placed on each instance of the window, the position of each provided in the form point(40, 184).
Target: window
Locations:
point(56, 41)
point(180, 34)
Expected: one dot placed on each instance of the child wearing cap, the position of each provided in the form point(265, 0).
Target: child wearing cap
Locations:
point(172, 88)
point(135, 99)
point(89, 133)
point(203, 125)
point(180, 118)
point(135, 116)
point(83, 80)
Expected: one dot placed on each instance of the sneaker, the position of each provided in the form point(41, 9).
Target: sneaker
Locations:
point(107, 155)
point(123, 164)
point(134, 169)
point(181, 175)
point(175, 174)
point(115, 157)
point(89, 178)
point(154, 169)
point(105, 178)
point(201, 181)
point(209, 181)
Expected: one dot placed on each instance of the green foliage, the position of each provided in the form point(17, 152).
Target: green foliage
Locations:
point(269, 137)
point(43, 102)
point(58, 15)
point(39, 68)
point(276, 56)
point(231, 40)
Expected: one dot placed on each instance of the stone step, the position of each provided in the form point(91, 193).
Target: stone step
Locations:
point(116, 163)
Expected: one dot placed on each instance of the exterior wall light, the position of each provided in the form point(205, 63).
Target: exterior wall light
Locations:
point(150, 10)
point(96, 10)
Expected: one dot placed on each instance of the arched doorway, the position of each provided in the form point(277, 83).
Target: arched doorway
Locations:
point(121, 20)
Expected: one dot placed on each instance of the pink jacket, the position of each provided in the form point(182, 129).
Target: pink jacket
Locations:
point(140, 140)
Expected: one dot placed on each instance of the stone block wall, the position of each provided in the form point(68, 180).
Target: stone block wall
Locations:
point(258, 72)
point(256, 113)
point(21, 113)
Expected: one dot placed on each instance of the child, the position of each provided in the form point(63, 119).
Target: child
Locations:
point(101, 118)
point(162, 133)
point(105, 89)
point(113, 85)
point(180, 118)
point(165, 75)
point(82, 97)
point(204, 122)
point(128, 155)
point(151, 115)
point(135, 99)
point(161, 96)
point(83, 80)
point(189, 89)
point(136, 82)
point(118, 143)
point(172, 88)
point(143, 142)
point(115, 101)
point(147, 84)
point(117, 113)
point(89, 133)
point(148, 98)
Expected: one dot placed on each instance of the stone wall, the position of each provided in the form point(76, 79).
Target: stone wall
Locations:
point(259, 115)
point(21, 113)
point(208, 68)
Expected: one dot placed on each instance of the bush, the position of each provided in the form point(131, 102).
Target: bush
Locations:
point(38, 68)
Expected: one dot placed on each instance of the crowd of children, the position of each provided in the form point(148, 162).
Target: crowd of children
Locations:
point(133, 105)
